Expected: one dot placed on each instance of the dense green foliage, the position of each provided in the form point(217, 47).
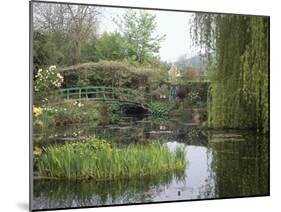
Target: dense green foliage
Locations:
point(158, 109)
point(238, 93)
point(97, 159)
point(112, 73)
point(50, 47)
point(54, 47)
point(111, 46)
point(138, 30)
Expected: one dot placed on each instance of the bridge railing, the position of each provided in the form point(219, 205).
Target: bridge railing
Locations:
point(105, 93)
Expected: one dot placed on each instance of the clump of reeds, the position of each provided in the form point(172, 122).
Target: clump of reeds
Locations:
point(97, 159)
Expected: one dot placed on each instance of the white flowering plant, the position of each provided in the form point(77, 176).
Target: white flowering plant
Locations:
point(47, 80)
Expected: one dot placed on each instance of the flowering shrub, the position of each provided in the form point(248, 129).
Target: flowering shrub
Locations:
point(47, 80)
point(70, 112)
point(37, 111)
point(194, 98)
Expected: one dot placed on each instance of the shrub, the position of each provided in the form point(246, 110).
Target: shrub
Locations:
point(62, 118)
point(47, 80)
point(37, 111)
point(69, 112)
point(111, 73)
point(158, 109)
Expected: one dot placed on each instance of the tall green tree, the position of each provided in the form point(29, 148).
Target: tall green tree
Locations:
point(139, 30)
point(49, 48)
point(238, 94)
point(111, 46)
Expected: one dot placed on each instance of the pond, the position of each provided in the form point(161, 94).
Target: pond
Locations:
point(220, 164)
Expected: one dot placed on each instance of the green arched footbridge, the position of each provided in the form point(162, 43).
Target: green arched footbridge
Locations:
point(107, 94)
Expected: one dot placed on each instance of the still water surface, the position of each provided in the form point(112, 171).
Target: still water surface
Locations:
point(219, 164)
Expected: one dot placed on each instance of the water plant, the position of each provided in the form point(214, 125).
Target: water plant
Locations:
point(100, 160)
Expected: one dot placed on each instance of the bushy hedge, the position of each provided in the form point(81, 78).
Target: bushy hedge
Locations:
point(110, 73)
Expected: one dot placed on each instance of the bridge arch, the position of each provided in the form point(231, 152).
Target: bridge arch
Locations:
point(125, 96)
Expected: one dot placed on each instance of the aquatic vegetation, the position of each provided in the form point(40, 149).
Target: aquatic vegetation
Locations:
point(99, 159)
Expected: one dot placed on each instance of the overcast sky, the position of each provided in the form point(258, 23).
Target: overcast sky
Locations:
point(174, 24)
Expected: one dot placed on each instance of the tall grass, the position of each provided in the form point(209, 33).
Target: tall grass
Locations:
point(97, 159)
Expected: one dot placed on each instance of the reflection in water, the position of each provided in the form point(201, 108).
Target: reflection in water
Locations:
point(220, 164)
point(64, 193)
point(241, 166)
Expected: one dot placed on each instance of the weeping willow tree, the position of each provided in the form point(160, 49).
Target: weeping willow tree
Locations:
point(237, 49)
